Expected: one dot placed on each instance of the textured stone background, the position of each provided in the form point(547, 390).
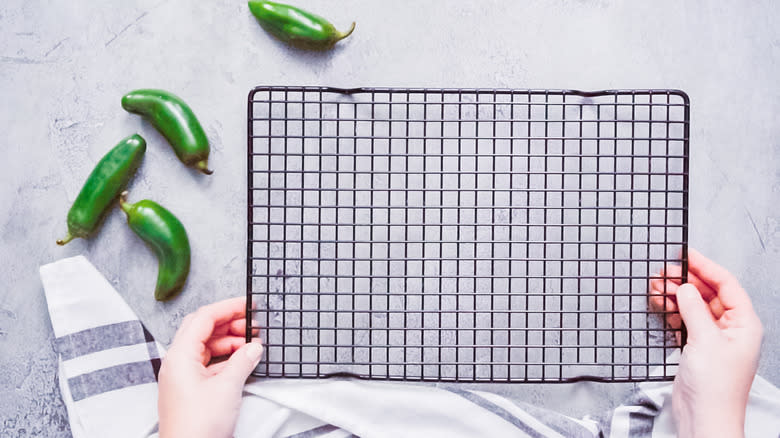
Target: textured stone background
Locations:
point(64, 67)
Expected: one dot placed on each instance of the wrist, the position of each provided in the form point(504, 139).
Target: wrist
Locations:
point(727, 426)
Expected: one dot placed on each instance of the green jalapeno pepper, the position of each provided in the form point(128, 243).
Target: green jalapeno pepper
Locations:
point(165, 234)
point(175, 121)
point(295, 26)
point(109, 177)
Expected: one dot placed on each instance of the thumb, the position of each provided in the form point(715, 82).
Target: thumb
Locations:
point(694, 311)
point(241, 363)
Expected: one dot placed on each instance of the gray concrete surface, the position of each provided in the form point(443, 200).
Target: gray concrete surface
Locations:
point(64, 67)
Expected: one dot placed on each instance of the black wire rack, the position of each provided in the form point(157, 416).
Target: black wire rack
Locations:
point(465, 235)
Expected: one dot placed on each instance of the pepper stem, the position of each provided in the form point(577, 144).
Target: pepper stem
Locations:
point(123, 203)
point(203, 166)
point(67, 239)
point(342, 35)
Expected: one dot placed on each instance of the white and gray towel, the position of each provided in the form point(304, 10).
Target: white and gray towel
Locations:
point(108, 361)
point(108, 378)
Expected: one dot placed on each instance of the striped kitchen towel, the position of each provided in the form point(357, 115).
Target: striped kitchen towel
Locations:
point(108, 361)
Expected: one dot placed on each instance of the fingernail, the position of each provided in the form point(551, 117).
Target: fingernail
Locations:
point(254, 351)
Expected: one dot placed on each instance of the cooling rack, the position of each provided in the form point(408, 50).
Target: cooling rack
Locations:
point(465, 235)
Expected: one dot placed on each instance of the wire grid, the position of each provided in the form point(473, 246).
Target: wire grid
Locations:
point(464, 235)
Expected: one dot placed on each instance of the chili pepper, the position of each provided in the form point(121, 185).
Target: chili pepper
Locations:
point(109, 177)
point(165, 235)
point(295, 26)
point(175, 121)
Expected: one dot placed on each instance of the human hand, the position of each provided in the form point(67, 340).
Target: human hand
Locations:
point(201, 400)
point(720, 357)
